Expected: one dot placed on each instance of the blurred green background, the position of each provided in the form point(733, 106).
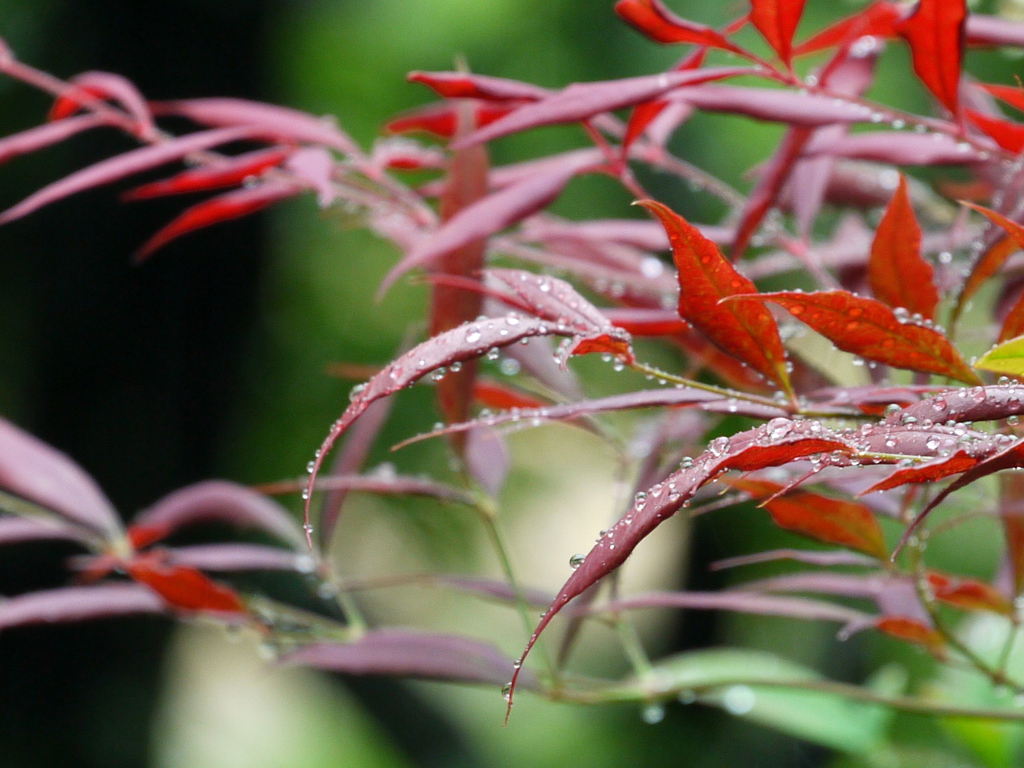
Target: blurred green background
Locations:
point(209, 361)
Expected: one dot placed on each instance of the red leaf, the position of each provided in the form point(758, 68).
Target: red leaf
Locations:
point(182, 587)
point(641, 117)
point(870, 329)
point(776, 20)
point(231, 205)
point(705, 278)
point(582, 101)
point(914, 631)
point(965, 405)
point(831, 521)
point(935, 33)
point(776, 443)
point(1011, 513)
point(119, 167)
point(464, 85)
point(491, 394)
point(1007, 134)
point(896, 272)
point(441, 119)
point(44, 135)
point(486, 216)
point(268, 121)
point(928, 472)
point(647, 322)
point(1013, 323)
point(968, 594)
point(1011, 94)
point(651, 18)
point(994, 258)
point(877, 20)
point(106, 85)
point(229, 173)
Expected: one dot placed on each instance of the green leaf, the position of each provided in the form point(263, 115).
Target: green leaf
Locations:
point(1007, 358)
point(750, 684)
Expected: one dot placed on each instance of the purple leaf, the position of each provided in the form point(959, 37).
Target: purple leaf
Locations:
point(464, 85)
point(15, 530)
point(485, 217)
point(740, 601)
point(238, 557)
point(802, 109)
point(109, 86)
point(123, 165)
point(264, 120)
point(993, 30)
point(78, 603)
point(375, 482)
point(219, 501)
point(776, 443)
point(496, 590)
point(402, 653)
point(49, 133)
point(487, 459)
point(965, 404)
point(43, 475)
point(824, 559)
point(896, 148)
point(582, 101)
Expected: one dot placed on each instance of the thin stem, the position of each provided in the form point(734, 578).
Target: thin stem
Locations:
point(649, 370)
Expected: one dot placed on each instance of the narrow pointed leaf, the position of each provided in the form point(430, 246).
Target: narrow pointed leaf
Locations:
point(1006, 358)
point(705, 277)
point(442, 119)
point(828, 520)
point(990, 262)
point(1013, 323)
point(124, 165)
point(1010, 94)
point(582, 101)
point(385, 483)
point(913, 631)
point(1011, 514)
point(403, 653)
point(465, 85)
point(968, 594)
point(47, 134)
point(218, 501)
point(777, 20)
point(935, 33)
point(896, 148)
point(653, 19)
point(231, 205)
point(994, 30)
point(484, 217)
point(823, 559)
point(67, 604)
point(267, 121)
point(232, 172)
point(928, 472)
point(807, 110)
point(877, 20)
point(16, 530)
point(868, 328)
point(238, 557)
point(41, 474)
point(106, 85)
point(896, 272)
point(974, 404)
point(1007, 134)
point(774, 444)
point(182, 587)
point(467, 342)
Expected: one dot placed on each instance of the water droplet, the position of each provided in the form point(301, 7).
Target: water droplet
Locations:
point(472, 334)
point(576, 560)
point(739, 699)
point(640, 500)
point(310, 466)
point(653, 714)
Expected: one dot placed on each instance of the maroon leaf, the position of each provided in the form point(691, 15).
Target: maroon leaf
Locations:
point(1011, 513)
point(935, 33)
point(470, 341)
point(44, 135)
point(832, 521)
point(913, 631)
point(967, 594)
point(231, 205)
point(106, 85)
point(896, 272)
point(776, 20)
point(381, 482)
point(465, 85)
point(870, 329)
point(652, 19)
point(78, 604)
point(43, 475)
point(487, 460)
point(582, 101)
point(124, 165)
point(647, 322)
point(485, 217)
point(974, 404)
point(800, 109)
point(231, 172)
point(1013, 323)
point(182, 587)
point(705, 278)
point(221, 502)
point(778, 442)
point(928, 472)
point(396, 652)
point(740, 601)
point(267, 121)
point(442, 119)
